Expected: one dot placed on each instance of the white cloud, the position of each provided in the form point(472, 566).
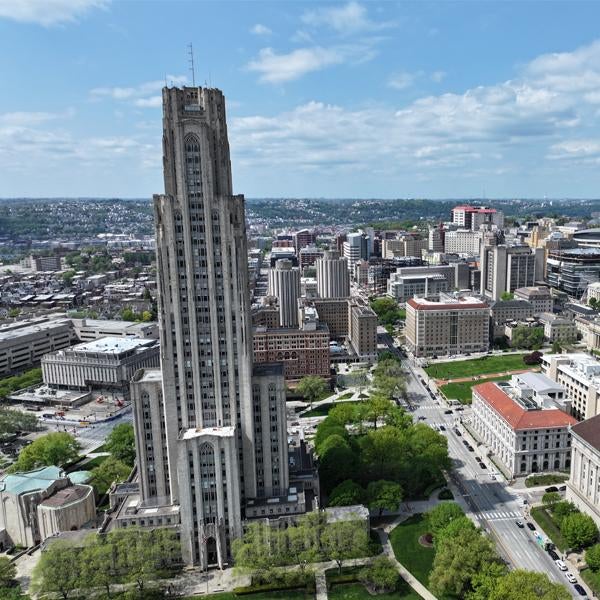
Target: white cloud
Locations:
point(438, 76)
point(142, 95)
point(260, 29)
point(48, 12)
point(279, 68)
point(401, 81)
point(346, 19)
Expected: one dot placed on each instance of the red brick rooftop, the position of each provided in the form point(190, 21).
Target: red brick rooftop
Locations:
point(516, 416)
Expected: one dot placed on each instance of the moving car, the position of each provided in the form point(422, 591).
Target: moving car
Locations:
point(448, 412)
point(530, 526)
point(570, 577)
point(553, 555)
point(482, 465)
point(458, 433)
point(580, 590)
point(561, 565)
point(519, 524)
point(470, 448)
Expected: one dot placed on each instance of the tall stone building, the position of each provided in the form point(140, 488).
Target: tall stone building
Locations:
point(212, 415)
point(333, 279)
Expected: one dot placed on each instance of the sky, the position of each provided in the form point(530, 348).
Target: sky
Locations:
point(324, 99)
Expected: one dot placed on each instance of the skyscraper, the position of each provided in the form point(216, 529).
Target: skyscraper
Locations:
point(333, 279)
point(284, 284)
point(213, 409)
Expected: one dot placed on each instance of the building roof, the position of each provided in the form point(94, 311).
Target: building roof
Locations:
point(112, 345)
point(67, 496)
point(77, 477)
point(30, 481)
point(539, 382)
point(589, 431)
point(466, 302)
point(533, 291)
point(515, 415)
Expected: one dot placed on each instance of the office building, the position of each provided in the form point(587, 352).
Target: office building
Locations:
point(333, 279)
point(593, 291)
point(212, 420)
point(579, 374)
point(428, 285)
point(506, 311)
point(284, 284)
point(462, 241)
point(472, 217)
point(507, 268)
point(355, 247)
point(452, 325)
point(108, 364)
point(436, 239)
point(87, 330)
point(308, 256)
point(363, 332)
point(539, 296)
point(521, 425)
point(572, 270)
point(558, 329)
point(457, 274)
point(409, 244)
point(582, 488)
point(303, 238)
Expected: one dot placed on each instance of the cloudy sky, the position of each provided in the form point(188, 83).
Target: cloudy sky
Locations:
point(325, 99)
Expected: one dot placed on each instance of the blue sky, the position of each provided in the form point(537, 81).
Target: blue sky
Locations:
point(325, 99)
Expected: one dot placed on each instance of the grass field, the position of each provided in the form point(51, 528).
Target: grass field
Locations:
point(405, 542)
point(544, 519)
point(356, 591)
point(323, 409)
point(462, 390)
point(477, 366)
point(549, 479)
point(592, 579)
point(282, 595)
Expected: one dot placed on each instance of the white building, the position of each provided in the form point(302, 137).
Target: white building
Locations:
point(583, 487)
point(462, 241)
point(107, 363)
point(520, 432)
point(558, 329)
point(284, 284)
point(579, 374)
point(333, 279)
point(403, 287)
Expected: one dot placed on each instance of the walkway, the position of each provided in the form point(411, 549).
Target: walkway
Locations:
point(334, 398)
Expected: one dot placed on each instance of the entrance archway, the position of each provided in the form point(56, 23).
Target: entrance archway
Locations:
point(211, 552)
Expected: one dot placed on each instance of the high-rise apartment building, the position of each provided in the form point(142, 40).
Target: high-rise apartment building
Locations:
point(333, 279)
point(473, 217)
point(214, 409)
point(356, 247)
point(284, 284)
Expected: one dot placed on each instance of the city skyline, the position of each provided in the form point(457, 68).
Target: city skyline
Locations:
point(312, 90)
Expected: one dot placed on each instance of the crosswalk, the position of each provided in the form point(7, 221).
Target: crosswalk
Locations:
point(497, 515)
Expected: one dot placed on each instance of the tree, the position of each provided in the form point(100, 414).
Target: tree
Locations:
point(556, 347)
point(337, 462)
point(485, 582)
point(13, 593)
point(376, 407)
point(302, 540)
point(527, 337)
point(442, 515)
point(253, 551)
point(535, 358)
point(562, 509)
point(109, 471)
point(506, 296)
point(384, 495)
point(98, 563)
point(454, 528)
point(12, 421)
point(67, 277)
point(458, 558)
point(344, 540)
point(328, 427)
point(312, 388)
point(527, 585)
point(380, 576)
point(8, 571)
point(121, 443)
point(593, 302)
point(344, 413)
point(549, 499)
point(57, 449)
point(592, 557)
point(57, 571)
point(579, 530)
point(347, 493)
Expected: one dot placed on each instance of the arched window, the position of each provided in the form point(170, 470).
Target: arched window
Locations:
point(193, 167)
point(208, 482)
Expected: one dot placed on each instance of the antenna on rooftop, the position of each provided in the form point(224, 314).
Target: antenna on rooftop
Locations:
point(191, 62)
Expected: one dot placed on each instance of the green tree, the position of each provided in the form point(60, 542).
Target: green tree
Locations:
point(337, 462)
point(146, 316)
point(8, 571)
point(254, 550)
point(13, 593)
point(551, 498)
point(592, 557)
point(384, 495)
point(527, 585)
point(506, 296)
point(312, 388)
point(98, 563)
point(377, 407)
point(127, 314)
point(302, 540)
point(484, 583)
point(556, 347)
point(562, 509)
point(58, 570)
point(579, 530)
point(67, 277)
point(12, 421)
point(344, 413)
point(107, 472)
point(326, 428)
point(458, 559)
point(121, 443)
point(344, 540)
point(442, 515)
point(593, 302)
point(527, 337)
point(57, 449)
point(454, 528)
point(381, 576)
point(347, 493)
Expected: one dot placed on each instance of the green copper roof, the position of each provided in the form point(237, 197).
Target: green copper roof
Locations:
point(38, 479)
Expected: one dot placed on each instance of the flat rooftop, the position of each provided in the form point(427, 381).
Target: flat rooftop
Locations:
point(13, 331)
point(112, 345)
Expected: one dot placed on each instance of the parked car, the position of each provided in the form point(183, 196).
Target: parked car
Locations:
point(482, 465)
point(580, 590)
point(561, 565)
point(570, 577)
point(448, 412)
point(442, 428)
point(519, 524)
point(531, 526)
point(562, 488)
point(552, 488)
point(553, 555)
point(458, 433)
point(470, 448)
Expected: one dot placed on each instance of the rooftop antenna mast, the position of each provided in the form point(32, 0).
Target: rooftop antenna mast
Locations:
point(191, 62)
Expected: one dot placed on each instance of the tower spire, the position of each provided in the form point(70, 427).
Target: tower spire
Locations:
point(191, 63)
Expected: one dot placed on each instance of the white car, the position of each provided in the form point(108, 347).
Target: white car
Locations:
point(561, 565)
point(570, 577)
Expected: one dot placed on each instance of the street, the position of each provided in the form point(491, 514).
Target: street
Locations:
point(491, 503)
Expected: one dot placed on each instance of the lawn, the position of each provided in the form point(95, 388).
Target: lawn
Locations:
point(323, 409)
point(476, 366)
point(544, 519)
point(346, 396)
point(281, 595)
point(356, 591)
point(405, 542)
point(462, 390)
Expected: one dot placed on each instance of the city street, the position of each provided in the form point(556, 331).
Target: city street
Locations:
point(490, 502)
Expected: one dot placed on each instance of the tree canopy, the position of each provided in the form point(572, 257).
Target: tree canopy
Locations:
point(56, 448)
point(121, 443)
point(312, 387)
